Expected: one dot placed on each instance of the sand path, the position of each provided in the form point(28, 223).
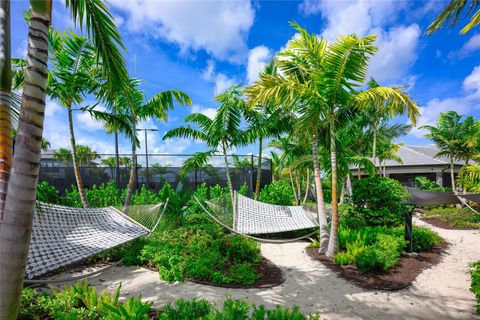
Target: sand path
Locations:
point(440, 292)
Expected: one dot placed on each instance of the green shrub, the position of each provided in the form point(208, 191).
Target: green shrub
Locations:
point(81, 302)
point(378, 201)
point(426, 184)
point(104, 195)
point(455, 217)
point(278, 192)
point(424, 239)
point(47, 193)
point(475, 285)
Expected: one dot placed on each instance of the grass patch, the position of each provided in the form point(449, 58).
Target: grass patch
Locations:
point(457, 218)
point(475, 286)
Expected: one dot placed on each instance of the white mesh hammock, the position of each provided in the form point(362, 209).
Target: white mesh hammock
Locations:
point(63, 235)
point(249, 217)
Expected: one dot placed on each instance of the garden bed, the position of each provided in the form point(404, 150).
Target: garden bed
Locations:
point(399, 277)
point(451, 218)
point(439, 223)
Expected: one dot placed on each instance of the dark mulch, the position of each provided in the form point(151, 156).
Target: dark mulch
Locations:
point(270, 276)
point(399, 277)
point(437, 222)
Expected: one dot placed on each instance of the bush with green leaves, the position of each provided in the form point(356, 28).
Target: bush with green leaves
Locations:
point(47, 193)
point(475, 285)
point(378, 201)
point(278, 192)
point(426, 184)
point(232, 310)
point(457, 218)
point(81, 301)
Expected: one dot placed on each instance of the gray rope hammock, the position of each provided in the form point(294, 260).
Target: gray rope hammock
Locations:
point(62, 236)
point(248, 217)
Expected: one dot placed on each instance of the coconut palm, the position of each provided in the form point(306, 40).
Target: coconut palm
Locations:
point(219, 134)
point(133, 104)
point(320, 81)
point(16, 226)
point(453, 12)
point(447, 135)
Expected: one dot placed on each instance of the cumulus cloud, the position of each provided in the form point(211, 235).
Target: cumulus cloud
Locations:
point(209, 112)
point(221, 80)
point(219, 27)
point(398, 44)
point(258, 57)
point(462, 104)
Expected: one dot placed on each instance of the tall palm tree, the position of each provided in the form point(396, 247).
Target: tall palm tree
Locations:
point(219, 134)
point(6, 128)
point(453, 12)
point(133, 104)
point(320, 81)
point(16, 226)
point(73, 62)
point(448, 135)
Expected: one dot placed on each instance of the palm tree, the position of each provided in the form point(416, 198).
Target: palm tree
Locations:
point(447, 135)
point(220, 134)
point(6, 134)
point(133, 104)
point(16, 226)
point(265, 122)
point(453, 12)
point(320, 81)
point(73, 62)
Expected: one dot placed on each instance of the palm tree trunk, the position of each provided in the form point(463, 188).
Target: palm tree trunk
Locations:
point(374, 147)
point(227, 172)
point(307, 187)
point(299, 189)
point(333, 242)
point(16, 227)
point(349, 185)
point(321, 211)
point(259, 168)
point(133, 172)
point(293, 185)
point(76, 169)
point(342, 192)
point(6, 129)
point(464, 190)
point(359, 176)
point(452, 175)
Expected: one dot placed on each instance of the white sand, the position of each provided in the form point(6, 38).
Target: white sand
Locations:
point(440, 292)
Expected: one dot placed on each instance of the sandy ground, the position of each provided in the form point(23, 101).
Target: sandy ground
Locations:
point(438, 293)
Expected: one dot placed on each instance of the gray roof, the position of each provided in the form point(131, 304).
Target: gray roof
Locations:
point(420, 156)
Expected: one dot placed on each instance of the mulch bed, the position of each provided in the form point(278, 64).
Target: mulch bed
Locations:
point(399, 277)
point(436, 222)
point(271, 276)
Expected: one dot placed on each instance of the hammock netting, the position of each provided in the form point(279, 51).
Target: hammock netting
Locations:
point(64, 235)
point(248, 216)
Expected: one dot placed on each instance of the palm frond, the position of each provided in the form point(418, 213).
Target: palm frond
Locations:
point(452, 14)
point(198, 161)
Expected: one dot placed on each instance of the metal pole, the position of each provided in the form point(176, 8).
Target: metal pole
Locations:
point(146, 159)
point(117, 161)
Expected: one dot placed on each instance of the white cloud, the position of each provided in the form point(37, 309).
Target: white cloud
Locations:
point(398, 45)
point(472, 45)
point(22, 49)
point(462, 104)
point(221, 80)
point(258, 57)
point(209, 112)
point(219, 28)
point(86, 120)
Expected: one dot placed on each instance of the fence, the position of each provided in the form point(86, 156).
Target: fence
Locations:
point(96, 169)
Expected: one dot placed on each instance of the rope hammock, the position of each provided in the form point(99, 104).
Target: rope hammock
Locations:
point(247, 217)
point(63, 235)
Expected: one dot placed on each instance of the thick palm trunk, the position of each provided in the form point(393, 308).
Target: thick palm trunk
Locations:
point(16, 227)
point(452, 175)
point(6, 129)
point(333, 242)
point(133, 175)
point(76, 169)
point(307, 187)
point(259, 168)
point(321, 211)
point(227, 172)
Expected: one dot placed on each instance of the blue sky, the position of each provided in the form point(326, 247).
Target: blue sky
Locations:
point(202, 47)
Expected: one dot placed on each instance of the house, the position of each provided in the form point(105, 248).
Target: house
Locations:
point(420, 161)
